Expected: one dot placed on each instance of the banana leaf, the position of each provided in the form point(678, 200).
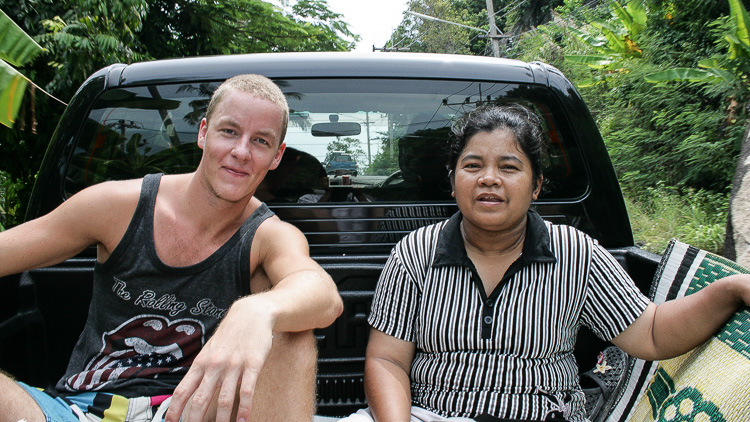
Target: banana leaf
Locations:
point(590, 60)
point(16, 47)
point(741, 21)
point(12, 87)
point(681, 74)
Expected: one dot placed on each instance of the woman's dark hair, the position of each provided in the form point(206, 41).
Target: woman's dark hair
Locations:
point(523, 123)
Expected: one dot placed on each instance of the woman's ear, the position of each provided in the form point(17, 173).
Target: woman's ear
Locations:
point(452, 178)
point(537, 187)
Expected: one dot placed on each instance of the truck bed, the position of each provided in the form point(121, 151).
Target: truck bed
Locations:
point(44, 311)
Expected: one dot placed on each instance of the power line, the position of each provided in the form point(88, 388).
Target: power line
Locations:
point(604, 8)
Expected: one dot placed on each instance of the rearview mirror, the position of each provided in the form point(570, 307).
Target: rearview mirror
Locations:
point(336, 129)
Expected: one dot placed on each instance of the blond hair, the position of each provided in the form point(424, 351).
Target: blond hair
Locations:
point(257, 85)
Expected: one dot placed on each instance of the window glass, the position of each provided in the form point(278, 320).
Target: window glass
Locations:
point(349, 140)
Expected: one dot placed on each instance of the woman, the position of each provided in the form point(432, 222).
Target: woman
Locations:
point(478, 315)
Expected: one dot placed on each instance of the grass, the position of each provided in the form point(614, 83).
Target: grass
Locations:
point(662, 213)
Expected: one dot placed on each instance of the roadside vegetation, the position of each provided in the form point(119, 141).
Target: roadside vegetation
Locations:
point(666, 81)
point(695, 217)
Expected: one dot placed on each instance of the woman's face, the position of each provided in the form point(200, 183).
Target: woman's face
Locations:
point(493, 182)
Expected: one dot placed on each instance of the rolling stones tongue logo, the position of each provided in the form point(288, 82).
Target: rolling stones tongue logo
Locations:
point(143, 347)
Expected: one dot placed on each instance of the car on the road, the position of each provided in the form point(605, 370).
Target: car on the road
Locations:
point(339, 163)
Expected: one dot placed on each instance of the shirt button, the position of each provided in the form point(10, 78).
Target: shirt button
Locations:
point(488, 303)
point(488, 320)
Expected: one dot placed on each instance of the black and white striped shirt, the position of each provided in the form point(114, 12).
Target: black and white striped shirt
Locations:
point(509, 354)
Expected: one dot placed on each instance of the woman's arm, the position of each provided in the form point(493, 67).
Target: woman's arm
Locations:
point(387, 384)
point(677, 326)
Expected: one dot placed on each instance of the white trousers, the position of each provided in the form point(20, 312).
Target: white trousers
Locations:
point(417, 415)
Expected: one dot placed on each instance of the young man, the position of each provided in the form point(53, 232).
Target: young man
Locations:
point(199, 290)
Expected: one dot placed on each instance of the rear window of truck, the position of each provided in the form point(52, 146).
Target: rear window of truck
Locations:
point(349, 140)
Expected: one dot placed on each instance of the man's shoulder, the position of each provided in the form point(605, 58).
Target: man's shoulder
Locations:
point(273, 229)
point(110, 194)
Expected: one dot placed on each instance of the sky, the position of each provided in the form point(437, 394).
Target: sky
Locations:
point(373, 21)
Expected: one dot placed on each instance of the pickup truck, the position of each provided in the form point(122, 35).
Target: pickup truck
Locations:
point(393, 109)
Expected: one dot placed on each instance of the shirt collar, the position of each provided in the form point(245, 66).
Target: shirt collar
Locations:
point(451, 250)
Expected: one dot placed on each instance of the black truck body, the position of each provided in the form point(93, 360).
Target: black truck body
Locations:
point(390, 110)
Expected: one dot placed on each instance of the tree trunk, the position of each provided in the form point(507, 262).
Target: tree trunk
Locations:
point(737, 241)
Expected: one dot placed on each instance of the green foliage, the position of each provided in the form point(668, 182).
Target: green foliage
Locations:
point(9, 205)
point(190, 28)
point(660, 213)
point(323, 28)
point(681, 134)
point(675, 134)
point(614, 42)
point(90, 35)
point(726, 70)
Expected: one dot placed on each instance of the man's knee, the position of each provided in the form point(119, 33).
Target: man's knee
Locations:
point(296, 348)
point(286, 385)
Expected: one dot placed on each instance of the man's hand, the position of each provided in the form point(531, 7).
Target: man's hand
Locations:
point(224, 374)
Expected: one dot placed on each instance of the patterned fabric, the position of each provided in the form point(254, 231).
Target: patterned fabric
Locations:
point(507, 353)
point(709, 383)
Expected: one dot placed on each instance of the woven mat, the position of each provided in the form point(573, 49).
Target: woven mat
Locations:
point(709, 383)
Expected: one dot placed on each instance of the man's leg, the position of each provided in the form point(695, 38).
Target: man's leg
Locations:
point(286, 384)
point(16, 403)
point(285, 390)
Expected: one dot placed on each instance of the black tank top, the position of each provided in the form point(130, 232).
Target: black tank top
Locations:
point(147, 320)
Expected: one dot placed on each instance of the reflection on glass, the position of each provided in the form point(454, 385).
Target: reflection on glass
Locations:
point(364, 140)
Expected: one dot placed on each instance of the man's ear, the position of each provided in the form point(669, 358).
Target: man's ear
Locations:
point(277, 159)
point(202, 130)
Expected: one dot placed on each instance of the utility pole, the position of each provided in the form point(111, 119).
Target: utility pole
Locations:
point(493, 29)
point(494, 33)
point(367, 124)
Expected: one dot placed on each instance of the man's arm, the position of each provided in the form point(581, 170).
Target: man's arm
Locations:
point(387, 383)
point(302, 297)
point(97, 215)
point(677, 326)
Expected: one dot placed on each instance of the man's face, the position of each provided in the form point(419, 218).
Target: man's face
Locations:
point(240, 144)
